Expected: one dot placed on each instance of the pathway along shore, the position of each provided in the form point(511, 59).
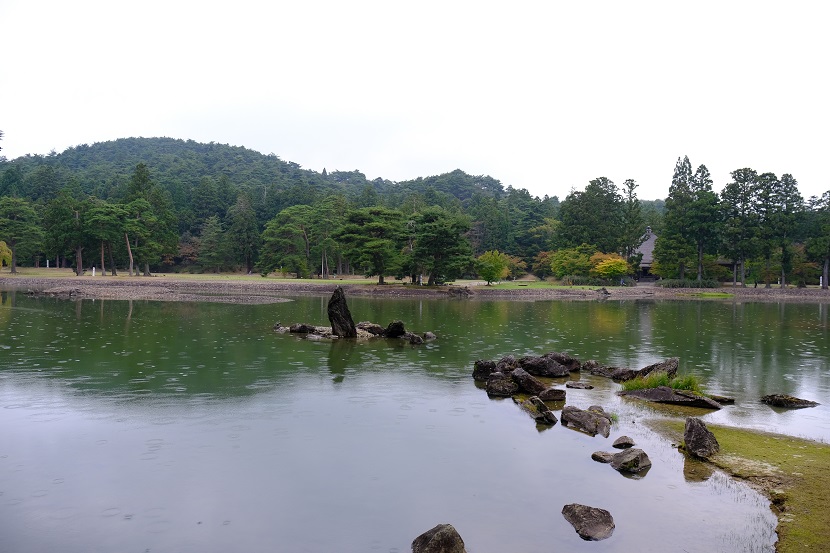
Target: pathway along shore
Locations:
point(255, 289)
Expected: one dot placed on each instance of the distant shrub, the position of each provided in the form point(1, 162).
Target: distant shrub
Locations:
point(577, 280)
point(686, 283)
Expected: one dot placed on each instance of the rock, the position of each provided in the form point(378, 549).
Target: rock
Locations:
point(591, 523)
point(664, 394)
point(566, 360)
point(789, 402)
point(699, 440)
point(506, 364)
point(537, 409)
point(444, 538)
point(527, 383)
point(623, 442)
point(723, 400)
point(632, 461)
point(429, 336)
point(620, 374)
point(372, 328)
point(593, 420)
point(578, 385)
point(501, 385)
point(342, 324)
point(600, 370)
point(459, 292)
point(395, 329)
point(302, 328)
point(552, 394)
point(482, 369)
point(539, 365)
point(669, 366)
point(413, 338)
point(590, 364)
point(602, 456)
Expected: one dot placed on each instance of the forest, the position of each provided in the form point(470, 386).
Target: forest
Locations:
point(148, 205)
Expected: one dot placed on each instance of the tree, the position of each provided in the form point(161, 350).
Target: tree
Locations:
point(287, 241)
point(818, 244)
point(609, 266)
point(441, 247)
point(105, 223)
point(740, 222)
point(789, 208)
point(633, 229)
point(572, 261)
point(594, 216)
point(492, 266)
point(212, 245)
point(19, 225)
point(766, 186)
point(704, 216)
point(243, 235)
point(372, 237)
point(158, 220)
point(675, 249)
point(5, 255)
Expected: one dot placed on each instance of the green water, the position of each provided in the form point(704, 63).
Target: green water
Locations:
point(143, 426)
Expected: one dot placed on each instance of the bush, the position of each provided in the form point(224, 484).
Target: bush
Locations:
point(686, 283)
point(577, 280)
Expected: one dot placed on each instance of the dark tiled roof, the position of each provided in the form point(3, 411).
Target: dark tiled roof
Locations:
point(647, 248)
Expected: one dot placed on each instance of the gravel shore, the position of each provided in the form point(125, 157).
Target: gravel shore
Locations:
point(259, 290)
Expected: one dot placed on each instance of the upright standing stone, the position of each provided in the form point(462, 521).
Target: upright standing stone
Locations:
point(341, 319)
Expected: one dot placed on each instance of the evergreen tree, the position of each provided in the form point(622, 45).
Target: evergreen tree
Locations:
point(789, 210)
point(441, 247)
point(740, 220)
point(633, 227)
point(675, 249)
point(19, 225)
point(243, 236)
point(704, 216)
point(818, 242)
point(372, 238)
point(212, 245)
point(594, 216)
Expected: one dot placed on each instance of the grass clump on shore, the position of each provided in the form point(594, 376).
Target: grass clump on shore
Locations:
point(688, 382)
point(793, 473)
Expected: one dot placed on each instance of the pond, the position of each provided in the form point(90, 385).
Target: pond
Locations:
point(147, 426)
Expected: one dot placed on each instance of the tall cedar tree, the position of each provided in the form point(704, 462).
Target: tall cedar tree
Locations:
point(675, 249)
point(594, 216)
point(739, 234)
point(372, 238)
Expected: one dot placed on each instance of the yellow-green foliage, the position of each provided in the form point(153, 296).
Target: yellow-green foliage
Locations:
point(609, 266)
point(493, 265)
point(5, 254)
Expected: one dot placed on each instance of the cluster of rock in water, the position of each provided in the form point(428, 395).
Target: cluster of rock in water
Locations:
point(343, 326)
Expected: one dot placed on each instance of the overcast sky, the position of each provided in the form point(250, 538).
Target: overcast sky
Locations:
point(540, 95)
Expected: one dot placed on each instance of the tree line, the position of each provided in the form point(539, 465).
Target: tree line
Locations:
point(210, 207)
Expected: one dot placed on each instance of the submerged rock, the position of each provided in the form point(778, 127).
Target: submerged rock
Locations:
point(591, 523)
point(395, 329)
point(789, 402)
point(372, 328)
point(566, 360)
point(507, 364)
point(664, 394)
point(552, 394)
point(602, 456)
point(578, 385)
point(699, 440)
point(444, 538)
point(537, 409)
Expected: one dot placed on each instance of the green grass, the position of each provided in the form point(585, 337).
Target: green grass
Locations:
point(660, 378)
point(794, 473)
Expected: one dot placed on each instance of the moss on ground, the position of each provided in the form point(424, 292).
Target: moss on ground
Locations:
point(794, 473)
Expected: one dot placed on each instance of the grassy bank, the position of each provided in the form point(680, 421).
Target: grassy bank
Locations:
point(794, 473)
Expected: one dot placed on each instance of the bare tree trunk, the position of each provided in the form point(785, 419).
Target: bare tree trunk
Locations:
point(113, 272)
point(699, 262)
point(103, 267)
point(825, 271)
point(129, 252)
point(79, 261)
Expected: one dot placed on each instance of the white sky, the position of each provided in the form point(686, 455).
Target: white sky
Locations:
point(540, 95)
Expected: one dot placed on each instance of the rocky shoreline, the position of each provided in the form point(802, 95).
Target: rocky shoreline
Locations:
point(258, 290)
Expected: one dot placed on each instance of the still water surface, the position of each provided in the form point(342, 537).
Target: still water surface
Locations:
point(143, 426)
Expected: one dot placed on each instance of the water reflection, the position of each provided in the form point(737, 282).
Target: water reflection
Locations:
point(195, 426)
